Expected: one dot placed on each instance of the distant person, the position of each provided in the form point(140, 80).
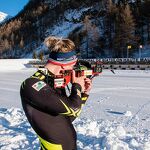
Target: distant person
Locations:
point(50, 110)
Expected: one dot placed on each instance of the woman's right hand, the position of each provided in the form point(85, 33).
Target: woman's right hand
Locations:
point(79, 80)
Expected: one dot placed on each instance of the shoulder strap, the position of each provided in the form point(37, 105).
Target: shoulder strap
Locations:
point(45, 75)
point(39, 75)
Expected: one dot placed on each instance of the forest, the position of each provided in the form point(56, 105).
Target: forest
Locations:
point(107, 28)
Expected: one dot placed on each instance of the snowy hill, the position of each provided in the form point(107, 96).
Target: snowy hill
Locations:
point(4, 17)
point(86, 22)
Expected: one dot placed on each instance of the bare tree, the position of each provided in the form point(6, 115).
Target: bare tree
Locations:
point(92, 36)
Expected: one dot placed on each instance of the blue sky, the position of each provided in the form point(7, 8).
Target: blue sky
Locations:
point(12, 7)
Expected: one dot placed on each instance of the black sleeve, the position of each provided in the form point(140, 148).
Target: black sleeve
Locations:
point(41, 95)
point(84, 97)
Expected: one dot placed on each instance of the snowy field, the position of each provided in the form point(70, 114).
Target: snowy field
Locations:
point(116, 116)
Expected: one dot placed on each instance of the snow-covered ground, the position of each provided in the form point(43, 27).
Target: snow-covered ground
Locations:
point(116, 116)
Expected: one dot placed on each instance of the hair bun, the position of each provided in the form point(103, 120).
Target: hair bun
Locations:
point(58, 44)
point(51, 41)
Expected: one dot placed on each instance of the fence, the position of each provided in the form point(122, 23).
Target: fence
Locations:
point(111, 63)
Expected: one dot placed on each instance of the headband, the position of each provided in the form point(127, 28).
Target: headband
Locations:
point(59, 56)
point(62, 58)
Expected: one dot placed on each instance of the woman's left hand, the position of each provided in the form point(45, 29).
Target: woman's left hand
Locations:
point(88, 85)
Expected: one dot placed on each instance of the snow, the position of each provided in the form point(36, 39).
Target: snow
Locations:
point(4, 17)
point(116, 116)
point(63, 28)
point(7, 65)
point(76, 13)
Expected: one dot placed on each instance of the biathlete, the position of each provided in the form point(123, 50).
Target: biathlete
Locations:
point(51, 110)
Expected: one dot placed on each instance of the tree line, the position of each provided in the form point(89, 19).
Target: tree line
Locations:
point(117, 28)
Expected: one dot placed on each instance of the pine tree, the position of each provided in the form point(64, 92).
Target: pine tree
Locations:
point(21, 45)
point(41, 55)
point(124, 33)
point(109, 22)
point(12, 39)
point(34, 56)
point(145, 15)
point(6, 44)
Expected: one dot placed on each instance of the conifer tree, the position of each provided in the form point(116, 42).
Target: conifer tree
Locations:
point(34, 56)
point(41, 55)
point(109, 22)
point(6, 44)
point(21, 43)
point(145, 12)
point(124, 30)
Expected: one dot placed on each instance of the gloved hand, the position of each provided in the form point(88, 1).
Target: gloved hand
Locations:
point(88, 85)
point(79, 80)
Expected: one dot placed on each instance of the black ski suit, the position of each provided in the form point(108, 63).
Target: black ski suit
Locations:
point(50, 112)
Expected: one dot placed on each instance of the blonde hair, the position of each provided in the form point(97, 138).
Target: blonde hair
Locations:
point(56, 44)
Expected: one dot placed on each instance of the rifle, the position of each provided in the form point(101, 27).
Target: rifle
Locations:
point(87, 68)
point(90, 69)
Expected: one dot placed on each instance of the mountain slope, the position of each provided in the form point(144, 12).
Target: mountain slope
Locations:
point(39, 19)
point(97, 27)
point(4, 17)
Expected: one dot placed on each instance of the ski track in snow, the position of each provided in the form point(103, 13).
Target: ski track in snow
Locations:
point(95, 90)
point(9, 89)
